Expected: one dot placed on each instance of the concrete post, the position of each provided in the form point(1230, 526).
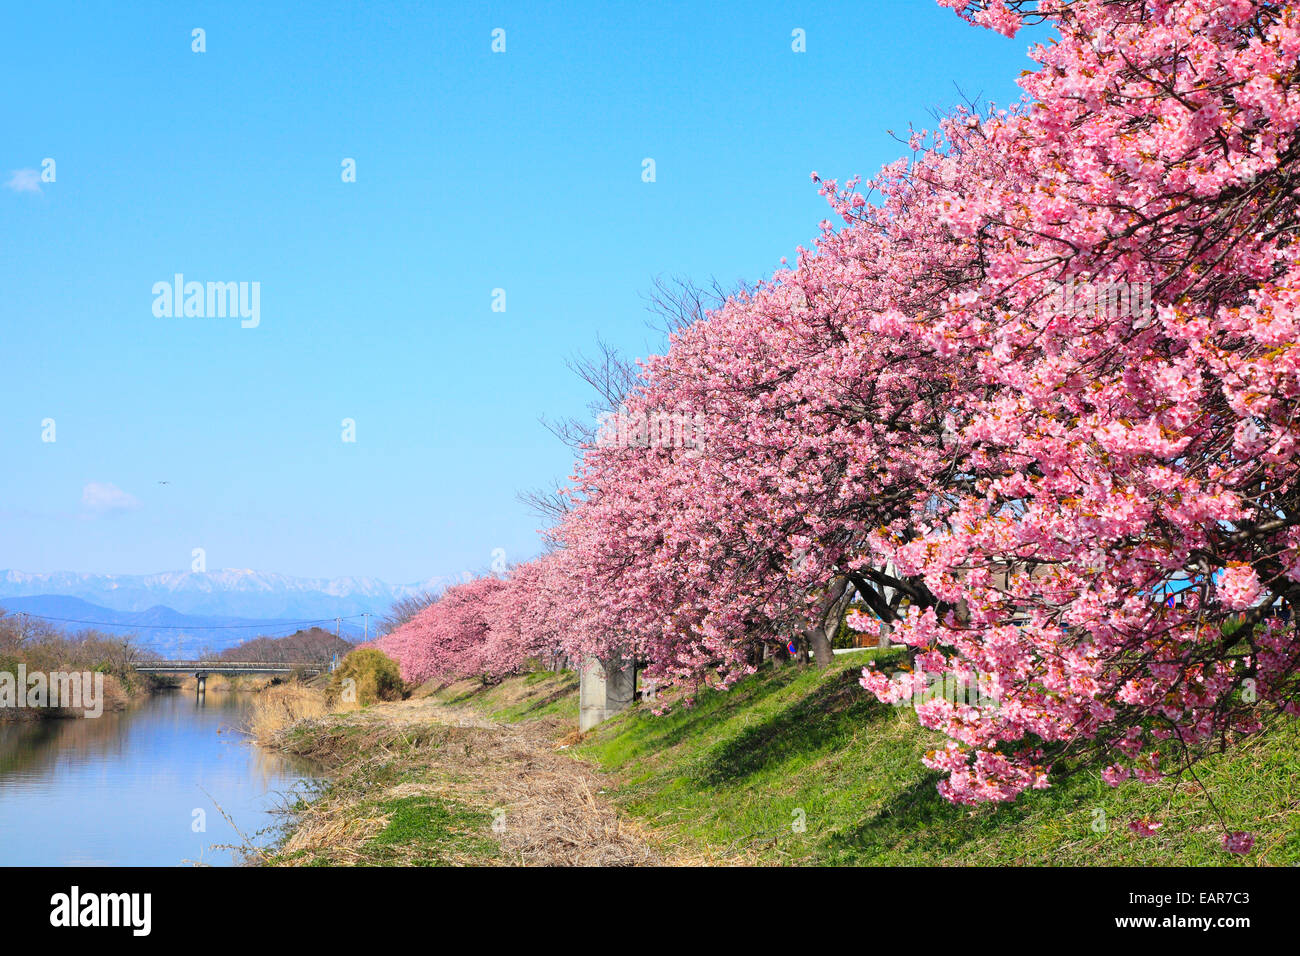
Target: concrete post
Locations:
point(620, 686)
point(591, 694)
point(604, 691)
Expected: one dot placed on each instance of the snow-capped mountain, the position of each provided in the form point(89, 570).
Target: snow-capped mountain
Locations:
point(228, 592)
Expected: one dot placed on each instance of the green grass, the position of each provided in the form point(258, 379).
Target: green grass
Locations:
point(737, 773)
point(529, 697)
point(371, 761)
point(420, 831)
point(436, 830)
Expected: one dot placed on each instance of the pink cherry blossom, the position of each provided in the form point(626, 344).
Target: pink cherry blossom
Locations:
point(1144, 828)
point(1238, 842)
point(1239, 586)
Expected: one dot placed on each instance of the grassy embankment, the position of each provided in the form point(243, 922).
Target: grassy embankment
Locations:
point(728, 780)
point(737, 771)
point(541, 695)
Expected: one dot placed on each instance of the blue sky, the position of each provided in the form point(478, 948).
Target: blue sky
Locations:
point(475, 171)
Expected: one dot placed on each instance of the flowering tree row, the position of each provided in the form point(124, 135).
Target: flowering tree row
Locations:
point(1030, 402)
point(488, 627)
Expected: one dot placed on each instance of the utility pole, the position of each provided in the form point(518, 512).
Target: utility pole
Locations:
point(336, 626)
point(366, 618)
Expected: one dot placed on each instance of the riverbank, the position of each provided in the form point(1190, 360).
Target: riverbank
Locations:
point(792, 766)
point(58, 681)
point(429, 781)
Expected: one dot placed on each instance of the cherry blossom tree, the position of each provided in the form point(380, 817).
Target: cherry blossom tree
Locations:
point(1133, 516)
point(1047, 379)
point(1031, 398)
point(449, 639)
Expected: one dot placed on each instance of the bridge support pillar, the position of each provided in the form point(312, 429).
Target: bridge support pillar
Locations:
point(202, 683)
point(604, 689)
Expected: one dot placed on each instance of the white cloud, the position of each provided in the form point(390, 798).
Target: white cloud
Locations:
point(102, 497)
point(25, 181)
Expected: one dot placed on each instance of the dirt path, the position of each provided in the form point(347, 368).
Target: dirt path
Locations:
point(546, 808)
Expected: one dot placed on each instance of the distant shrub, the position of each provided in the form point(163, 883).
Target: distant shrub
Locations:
point(376, 676)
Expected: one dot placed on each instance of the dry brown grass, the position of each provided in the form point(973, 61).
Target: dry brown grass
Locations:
point(571, 739)
point(554, 814)
point(281, 706)
point(322, 829)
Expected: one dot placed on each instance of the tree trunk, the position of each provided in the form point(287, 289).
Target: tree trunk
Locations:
point(821, 646)
point(779, 655)
point(839, 592)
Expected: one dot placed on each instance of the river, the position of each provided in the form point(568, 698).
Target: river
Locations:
point(142, 787)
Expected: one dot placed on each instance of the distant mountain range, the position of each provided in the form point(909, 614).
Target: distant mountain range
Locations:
point(194, 610)
point(225, 593)
point(162, 629)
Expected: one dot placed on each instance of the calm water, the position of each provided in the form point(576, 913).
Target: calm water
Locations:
point(123, 789)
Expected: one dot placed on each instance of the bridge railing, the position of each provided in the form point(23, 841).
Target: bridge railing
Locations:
point(219, 665)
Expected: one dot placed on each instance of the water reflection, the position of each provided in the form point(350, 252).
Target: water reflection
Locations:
point(124, 789)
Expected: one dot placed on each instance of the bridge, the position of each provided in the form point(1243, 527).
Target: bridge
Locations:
point(201, 669)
